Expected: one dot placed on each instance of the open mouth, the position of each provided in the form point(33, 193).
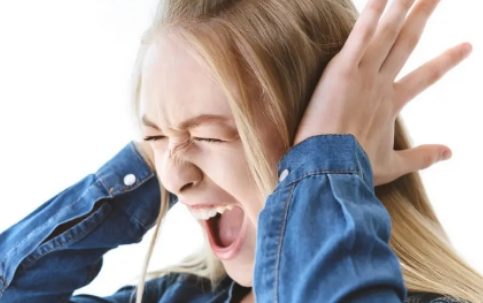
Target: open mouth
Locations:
point(226, 232)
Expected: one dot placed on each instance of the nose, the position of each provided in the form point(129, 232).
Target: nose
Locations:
point(178, 176)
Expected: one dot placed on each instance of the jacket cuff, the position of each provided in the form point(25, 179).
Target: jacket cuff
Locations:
point(331, 154)
point(126, 171)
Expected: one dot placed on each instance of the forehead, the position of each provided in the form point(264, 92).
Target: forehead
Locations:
point(176, 86)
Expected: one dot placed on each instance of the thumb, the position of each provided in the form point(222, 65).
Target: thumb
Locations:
point(422, 157)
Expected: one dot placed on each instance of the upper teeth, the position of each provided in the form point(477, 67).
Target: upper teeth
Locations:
point(208, 213)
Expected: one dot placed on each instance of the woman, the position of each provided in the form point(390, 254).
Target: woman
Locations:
point(223, 90)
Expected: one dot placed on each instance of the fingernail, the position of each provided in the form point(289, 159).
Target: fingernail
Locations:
point(446, 155)
point(467, 48)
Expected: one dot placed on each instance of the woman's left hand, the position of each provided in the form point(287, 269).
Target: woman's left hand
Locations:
point(358, 95)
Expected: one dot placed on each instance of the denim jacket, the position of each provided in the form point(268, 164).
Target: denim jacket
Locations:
point(322, 236)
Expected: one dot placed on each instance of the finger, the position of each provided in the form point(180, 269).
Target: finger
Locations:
point(419, 80)
point(363, 31)
point(409, 37)
point(387, 33)
point(421, 157)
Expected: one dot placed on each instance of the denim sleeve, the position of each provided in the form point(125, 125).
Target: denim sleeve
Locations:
point(153, 291)
point(323, 235)
point(117, 205)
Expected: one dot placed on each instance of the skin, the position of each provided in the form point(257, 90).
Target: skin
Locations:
point(200, 170)
point(357, 94)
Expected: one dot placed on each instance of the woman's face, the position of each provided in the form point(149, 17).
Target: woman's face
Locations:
point(198, 152)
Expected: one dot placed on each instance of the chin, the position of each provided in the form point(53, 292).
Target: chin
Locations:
point(239, 272)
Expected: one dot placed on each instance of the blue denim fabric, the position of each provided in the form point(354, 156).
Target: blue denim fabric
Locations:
point(328, 207)
point(322, 236)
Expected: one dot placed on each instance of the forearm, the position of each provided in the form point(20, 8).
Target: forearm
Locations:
point(59, 247)
point(323, 235)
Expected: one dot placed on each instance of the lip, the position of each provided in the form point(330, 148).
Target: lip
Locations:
point(230, 252)
point(205, 206)
point(199, 205)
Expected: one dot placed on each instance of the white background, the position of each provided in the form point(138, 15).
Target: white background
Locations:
point(65, 69)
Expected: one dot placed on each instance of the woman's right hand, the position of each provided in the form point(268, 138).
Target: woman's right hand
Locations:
point(357, 93)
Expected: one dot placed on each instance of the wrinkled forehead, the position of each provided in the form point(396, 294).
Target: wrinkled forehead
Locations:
point(177, 86)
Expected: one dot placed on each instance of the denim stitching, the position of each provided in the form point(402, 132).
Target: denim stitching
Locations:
point(135, 219)
point(104, 186)
point(130, 214)
point(317, 172)
point(328, 135)
point(89, 226)
point(4, 282)
point(46, 223)
point(279, 249)
point(140, 157)
point(128, 188)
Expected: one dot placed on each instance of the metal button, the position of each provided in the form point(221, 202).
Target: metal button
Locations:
point(283, 175)
point(129, 180)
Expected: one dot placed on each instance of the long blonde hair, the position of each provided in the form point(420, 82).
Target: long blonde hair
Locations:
point(268, 55)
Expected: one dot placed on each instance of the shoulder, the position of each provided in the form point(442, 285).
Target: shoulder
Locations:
point(181, 280)
point(172, 287)
point(430, 298)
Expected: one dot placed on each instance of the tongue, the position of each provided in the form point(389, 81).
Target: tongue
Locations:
point(229, 226)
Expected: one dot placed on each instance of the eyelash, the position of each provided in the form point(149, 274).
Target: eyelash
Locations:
point(207, 140)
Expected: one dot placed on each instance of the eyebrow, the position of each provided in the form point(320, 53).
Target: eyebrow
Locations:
point(191, 123)
point(149, 123)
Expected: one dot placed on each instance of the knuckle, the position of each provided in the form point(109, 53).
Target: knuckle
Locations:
point(427, 161)
point(406, 4)
point(390, 31)
point(346, 72)
point(368, 30)
point(434, 75)
point(366, 35)
point(425, 9)
point(377, 6)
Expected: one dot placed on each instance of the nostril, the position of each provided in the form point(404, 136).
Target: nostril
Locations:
point(186, 186)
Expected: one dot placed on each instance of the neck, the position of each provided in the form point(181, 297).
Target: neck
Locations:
point(249, 298)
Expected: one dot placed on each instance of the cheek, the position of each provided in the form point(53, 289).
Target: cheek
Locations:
point(227, 167)
point(159, 156)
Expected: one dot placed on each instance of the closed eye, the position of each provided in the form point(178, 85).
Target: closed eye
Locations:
point(154, 138)
point(207, 140)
